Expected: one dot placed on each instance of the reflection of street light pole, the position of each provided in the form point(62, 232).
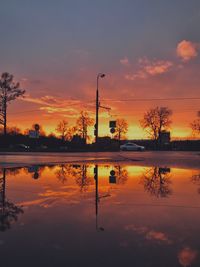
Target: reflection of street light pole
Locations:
point(99, 229)
point(100, 75)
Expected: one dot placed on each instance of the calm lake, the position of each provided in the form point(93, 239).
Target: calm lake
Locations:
point(99, 215)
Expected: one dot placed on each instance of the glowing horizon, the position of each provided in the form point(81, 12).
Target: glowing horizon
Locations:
point(57, 54)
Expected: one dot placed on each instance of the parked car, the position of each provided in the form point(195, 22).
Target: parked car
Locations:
point(63, 148)
point(21, 147)
point(131, 147)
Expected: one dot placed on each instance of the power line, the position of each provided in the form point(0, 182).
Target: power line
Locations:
point(43, 108)
point(25, 111)
point(183, 110)
point(151, 99)
point(116, 100)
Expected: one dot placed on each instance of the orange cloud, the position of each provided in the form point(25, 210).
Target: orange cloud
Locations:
point(138, 75)
point(71, 113)
point(149, 68)
point(158, 67)
point(45, 100)
point(187, 50)
point(51, 101)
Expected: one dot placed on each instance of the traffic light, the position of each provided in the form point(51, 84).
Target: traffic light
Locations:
point(112, 177)
point(112, 124)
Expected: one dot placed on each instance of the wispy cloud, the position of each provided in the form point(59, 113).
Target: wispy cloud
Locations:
point(155, 67)
point(69, 112)
point(48, 100)
point(147, 68)
point(137, 75)
point(125, 61)
point(187, 50)
point(52, 104)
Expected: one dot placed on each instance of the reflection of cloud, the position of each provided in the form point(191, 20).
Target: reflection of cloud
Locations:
point(50, 202)
point(149, 68)
point(187, 256)
point(139, 230)
point(149, 234)
point(187, 50)
point(125, 61)
point(196, 180)
point(51, 198)
point(158, 236)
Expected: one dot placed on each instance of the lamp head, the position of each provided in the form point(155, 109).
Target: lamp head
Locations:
point(102, 75)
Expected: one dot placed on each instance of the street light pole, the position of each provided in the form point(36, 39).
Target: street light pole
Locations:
point(100, 75)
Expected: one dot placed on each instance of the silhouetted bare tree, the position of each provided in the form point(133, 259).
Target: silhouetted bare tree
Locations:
point(195, 125)
point(13, 130)
point(156, 120)
point(9, 91)
point(82, 124)
point(65, 131)
point(121, 129)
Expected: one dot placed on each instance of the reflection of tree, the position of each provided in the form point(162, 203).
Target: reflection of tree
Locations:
point(196, 181)
point(77, 172)
point(8, 211)
point(121, 174)
point(62, 173)
point(13, 171)
point(82, 178)
point(157, 182)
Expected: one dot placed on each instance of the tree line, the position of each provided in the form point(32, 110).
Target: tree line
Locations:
point(154, 121)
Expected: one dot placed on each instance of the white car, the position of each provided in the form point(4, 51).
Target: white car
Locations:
point(131, 147)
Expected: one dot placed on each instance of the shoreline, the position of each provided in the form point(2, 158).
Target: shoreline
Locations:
point(183, 160)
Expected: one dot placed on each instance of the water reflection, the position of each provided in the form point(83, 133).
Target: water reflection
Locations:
point(98, 197)
point(187, 256)
point(9, 212)
point(133, 215)
point(196, 181)
point(157, 182)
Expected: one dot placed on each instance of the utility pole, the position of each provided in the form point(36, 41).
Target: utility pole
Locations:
point(97, 114)
point(100, 75)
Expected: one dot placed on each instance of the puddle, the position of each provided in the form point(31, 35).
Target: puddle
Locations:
point(99, 215)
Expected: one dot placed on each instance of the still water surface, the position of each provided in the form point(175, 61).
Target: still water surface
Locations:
point(99, 215)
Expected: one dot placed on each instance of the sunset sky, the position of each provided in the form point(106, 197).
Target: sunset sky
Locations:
point(148, 49)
